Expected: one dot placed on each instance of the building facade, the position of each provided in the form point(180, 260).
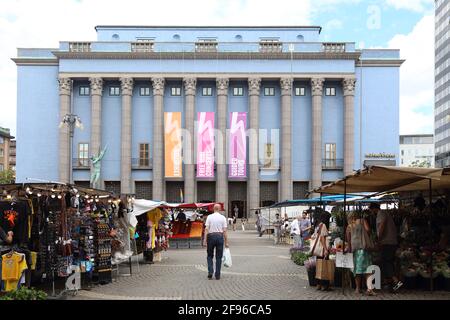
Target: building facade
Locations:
point(5, 149)
point(417, 150)
point(442, 80)
point(312, 111)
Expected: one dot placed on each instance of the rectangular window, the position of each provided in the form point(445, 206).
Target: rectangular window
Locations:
point(238, 91)
point(175, 91)
point(403, 152)
point(144, 155)
point(83, 154)
point(84, 91)
point(207, 91)
point(144, 91)
point(1, 153)
point(330, 155)
point(114, 91)
point(330, 91)
point(1, 167)
point(269, 91)
point(300, 91)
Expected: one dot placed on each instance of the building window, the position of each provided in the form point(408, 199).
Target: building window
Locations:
point(238, 91)
point(84, 91)
point(330, 91)
point(402, 161)
point(83, 154)
point(2, 167)
point(207, 91)
point(144, 156)
point(330, 155)
point(175, 91)
point(269, 91)
point(403, 152)
point(114, 91)
point(300, 91)
point(144, 91)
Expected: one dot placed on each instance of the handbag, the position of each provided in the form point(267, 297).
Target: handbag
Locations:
point(317, 248)
point(367, 242)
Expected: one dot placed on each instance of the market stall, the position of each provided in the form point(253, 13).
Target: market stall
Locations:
point(57, 229)
point(423, 253)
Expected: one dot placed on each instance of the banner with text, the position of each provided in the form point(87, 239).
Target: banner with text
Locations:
point(205, 145)
point(238, 145)
point(172, 145)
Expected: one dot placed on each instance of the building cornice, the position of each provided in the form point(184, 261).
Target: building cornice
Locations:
point(208, 75)
point(380, 63)
point(35, 62)
point(210, 55)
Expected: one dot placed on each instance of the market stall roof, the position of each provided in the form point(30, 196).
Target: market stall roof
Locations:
point(55, 187)
point(377, 179)
point(318, 200)
point(141, 206)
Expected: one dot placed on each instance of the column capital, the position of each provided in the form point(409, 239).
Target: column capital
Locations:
point(349, 86)
point(96, 86)
point(317, 86)
point(158, 86)
point(189, 86)
point(254, 86)
point(65, 86)
point(126, 85)
point(222, 86)
point(286, 86)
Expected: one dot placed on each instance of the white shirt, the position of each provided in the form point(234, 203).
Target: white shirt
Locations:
point(295, 227)
point(216, 223)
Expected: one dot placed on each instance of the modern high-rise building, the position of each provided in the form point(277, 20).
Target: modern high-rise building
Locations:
point(442, 80)
point(242, 115)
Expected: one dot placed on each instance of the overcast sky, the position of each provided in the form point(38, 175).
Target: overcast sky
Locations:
point(407, 25)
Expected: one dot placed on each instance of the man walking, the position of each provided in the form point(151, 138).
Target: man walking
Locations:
point(216, 236)
point(305, 229)
point(295, 231)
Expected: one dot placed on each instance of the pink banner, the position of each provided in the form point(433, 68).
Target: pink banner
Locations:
point(238, 145)
point(205, 145)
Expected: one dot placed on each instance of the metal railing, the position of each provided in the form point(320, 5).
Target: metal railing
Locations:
point(137, 163)
point(80, 163)
point(333, 47)
point(332, 164)
point(80, 46)
point(142, 46)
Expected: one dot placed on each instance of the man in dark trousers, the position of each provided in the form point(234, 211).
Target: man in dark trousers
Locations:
point(216, 237)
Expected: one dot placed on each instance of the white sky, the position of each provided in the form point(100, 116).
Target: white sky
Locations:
point(43, 23)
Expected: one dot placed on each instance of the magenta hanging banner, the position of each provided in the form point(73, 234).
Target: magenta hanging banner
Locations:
point(238, 145)
point(205, 145)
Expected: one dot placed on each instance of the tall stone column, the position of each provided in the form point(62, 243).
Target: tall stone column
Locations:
point(96, 119)
point(317, 92)
point(221, 142)
point(126, 141)
point(349, 124)
point(158, 184)
point(65, 90)
point(188, 145)
point(254, 86)
point(286, 132)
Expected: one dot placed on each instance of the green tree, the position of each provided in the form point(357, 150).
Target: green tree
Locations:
point(7, 176)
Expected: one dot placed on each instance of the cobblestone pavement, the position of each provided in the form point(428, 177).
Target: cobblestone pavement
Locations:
point(260, 271)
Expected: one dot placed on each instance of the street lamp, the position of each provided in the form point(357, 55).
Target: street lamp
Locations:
point(72, 121)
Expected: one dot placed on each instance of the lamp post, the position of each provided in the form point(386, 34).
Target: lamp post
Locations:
point(71, 120)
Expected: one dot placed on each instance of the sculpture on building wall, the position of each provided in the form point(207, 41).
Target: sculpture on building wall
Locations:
point(96, 166)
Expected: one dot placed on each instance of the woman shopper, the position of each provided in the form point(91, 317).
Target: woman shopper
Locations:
point(320, 249)
point(360, 244)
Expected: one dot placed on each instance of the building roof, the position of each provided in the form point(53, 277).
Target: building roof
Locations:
point(417, 135)
point(5, 133)
point(206, 27)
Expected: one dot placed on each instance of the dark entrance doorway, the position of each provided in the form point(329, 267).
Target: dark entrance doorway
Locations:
point(237, 196)
point(241, 207)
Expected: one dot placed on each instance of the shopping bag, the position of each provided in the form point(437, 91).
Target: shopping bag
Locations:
point(227, 258)
point(325, 269)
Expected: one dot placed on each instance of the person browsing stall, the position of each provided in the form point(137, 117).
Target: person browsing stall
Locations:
point(6, 237)
point(216, 237)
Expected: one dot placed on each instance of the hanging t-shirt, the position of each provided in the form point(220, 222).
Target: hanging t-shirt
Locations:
point(14, 217)
point(13, 266)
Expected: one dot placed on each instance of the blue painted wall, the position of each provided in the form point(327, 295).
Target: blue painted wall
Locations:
point(111, 130)
point(82, 108)
point(301, 134)
point(208, 66)
point(37, 123)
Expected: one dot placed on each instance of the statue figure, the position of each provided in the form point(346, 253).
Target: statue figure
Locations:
point(95, 176)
